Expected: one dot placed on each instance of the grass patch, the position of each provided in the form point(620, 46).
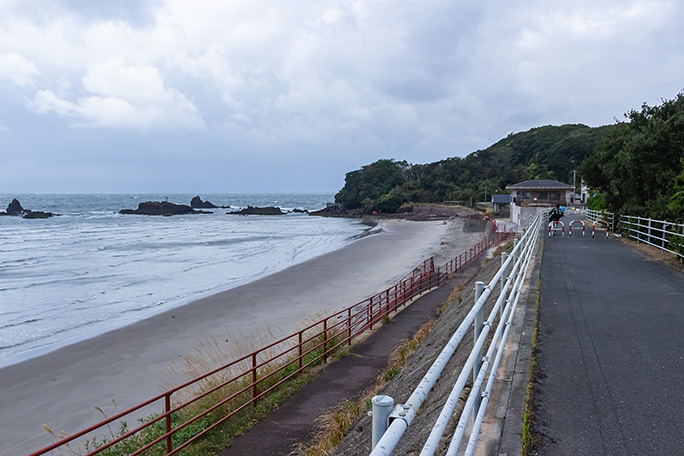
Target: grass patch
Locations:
point(207, 356)
point(529, 438)
point(336, 423)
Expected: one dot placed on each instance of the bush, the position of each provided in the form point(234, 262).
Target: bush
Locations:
point(389, 203)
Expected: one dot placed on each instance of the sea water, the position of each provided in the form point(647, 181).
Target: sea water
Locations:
point(91, 269)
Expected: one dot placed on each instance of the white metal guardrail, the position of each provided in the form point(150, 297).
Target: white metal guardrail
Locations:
point(602, 216)
point(510, 278)
point(662, 234)
point(668, 236)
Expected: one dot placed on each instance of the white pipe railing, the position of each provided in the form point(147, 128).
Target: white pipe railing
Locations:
point(603, 216)
point(658, 233)
point(516, 265)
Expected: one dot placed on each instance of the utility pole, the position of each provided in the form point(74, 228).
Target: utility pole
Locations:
point(574, 186)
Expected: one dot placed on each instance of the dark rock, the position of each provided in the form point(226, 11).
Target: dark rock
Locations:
point(38, 215)
point(300, 211)
point(162, 208)
point(15, 208)
point(270, 210)
point(197, 203)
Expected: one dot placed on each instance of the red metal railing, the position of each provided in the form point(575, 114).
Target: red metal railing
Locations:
point(255, 375)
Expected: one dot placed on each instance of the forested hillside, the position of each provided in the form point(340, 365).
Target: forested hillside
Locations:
point(634, 167)
point(550, 152)
point(639, 168)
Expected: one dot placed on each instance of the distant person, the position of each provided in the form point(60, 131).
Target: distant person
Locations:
point(562, 208)
point(555, 214)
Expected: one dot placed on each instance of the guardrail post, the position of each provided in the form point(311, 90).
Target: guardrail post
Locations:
point(254, 377)
point(504, 257)
point(477, 329)
point(167, 409)
point(325, 340)
point(649, 230)
point(515, 245)
point(300, 349)
point(382, 409)
point(349, 326)
point(370, 313)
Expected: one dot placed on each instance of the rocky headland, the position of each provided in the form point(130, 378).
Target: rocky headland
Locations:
point(15, 209)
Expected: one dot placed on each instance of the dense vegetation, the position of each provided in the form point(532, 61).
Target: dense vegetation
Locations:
point(638, 168)
point(634, 167)
point(550, 152)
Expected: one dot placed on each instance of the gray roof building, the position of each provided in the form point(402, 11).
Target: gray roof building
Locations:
point(535, 184)
point(532, 196)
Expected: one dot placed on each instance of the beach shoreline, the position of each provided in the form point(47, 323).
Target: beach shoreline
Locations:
point(123, 367)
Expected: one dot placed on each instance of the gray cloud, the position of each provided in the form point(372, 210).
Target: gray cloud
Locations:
point(255, 95)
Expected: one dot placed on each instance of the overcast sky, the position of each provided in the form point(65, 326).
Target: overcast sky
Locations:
point(282, 95)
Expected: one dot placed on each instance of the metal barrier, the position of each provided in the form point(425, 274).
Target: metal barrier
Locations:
point(570, 227)
point(664, 235)
point(600, 222)
point(260, 373)
point(511, 276)
point(553, 227)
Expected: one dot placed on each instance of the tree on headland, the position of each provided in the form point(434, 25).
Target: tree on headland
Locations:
point(636, 167)
point(549, 152)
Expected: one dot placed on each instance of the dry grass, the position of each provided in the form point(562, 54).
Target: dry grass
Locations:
point(210, 354)
point(335, 423)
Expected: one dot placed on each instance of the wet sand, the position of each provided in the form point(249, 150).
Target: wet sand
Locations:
point(129, 365)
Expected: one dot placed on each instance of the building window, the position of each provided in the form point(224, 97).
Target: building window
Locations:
point(526, 195)
point(543, 195)
point(555, 196)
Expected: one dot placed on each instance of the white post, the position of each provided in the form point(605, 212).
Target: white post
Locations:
point(382, 408)
point(477, 329)
point(504, 257)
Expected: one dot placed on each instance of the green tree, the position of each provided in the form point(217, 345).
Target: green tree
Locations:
point(638, 162)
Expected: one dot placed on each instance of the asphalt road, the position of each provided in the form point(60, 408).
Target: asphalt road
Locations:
point(610, 350)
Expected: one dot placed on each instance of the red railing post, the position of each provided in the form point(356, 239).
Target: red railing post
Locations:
point(167, 409)
point(370, 313)
point(300, 348)
point(387, 301)
point(325, 340)
point(254, 377)
point(349, 325)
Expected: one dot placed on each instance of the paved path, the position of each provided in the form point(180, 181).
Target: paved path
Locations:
point(345, 379)
point(611, 355)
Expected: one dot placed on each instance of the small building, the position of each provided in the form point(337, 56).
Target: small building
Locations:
point(501, 204)
point(533, 196)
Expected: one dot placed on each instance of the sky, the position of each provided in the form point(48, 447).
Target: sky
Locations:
point(207, 96)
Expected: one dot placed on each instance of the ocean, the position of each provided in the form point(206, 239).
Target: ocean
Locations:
point(91, 269)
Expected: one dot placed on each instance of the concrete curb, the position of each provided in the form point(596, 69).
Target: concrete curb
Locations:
point(503, 437)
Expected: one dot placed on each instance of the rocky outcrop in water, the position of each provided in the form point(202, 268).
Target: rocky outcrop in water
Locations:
point(162, 208)
point(15, 209)
point(250, 210)
point(197, 203)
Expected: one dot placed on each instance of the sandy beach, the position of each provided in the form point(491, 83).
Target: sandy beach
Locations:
point(129, 365)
